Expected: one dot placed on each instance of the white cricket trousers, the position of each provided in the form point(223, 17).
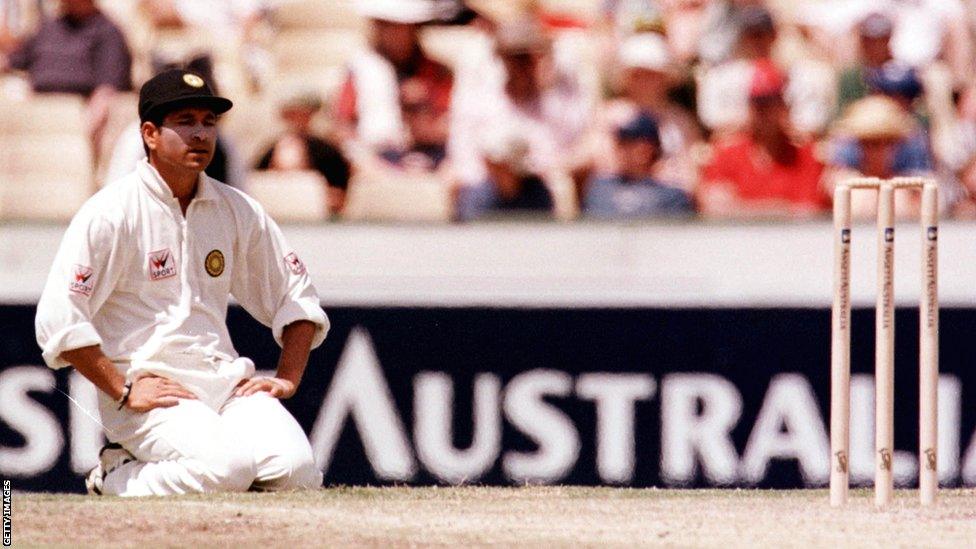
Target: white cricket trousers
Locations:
point(247, 443)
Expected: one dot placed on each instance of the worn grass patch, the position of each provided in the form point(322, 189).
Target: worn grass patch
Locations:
point(479, 516)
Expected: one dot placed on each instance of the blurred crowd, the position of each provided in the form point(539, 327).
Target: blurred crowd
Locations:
point(610, 109)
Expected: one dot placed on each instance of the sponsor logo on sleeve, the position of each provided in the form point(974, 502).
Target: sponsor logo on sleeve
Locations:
point(81, 281)
point(161, 265)
point(295, 264)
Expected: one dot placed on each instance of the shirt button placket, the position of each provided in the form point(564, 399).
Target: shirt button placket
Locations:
point(181, 265)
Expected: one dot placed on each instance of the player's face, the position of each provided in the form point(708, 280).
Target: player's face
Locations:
point(186, 139)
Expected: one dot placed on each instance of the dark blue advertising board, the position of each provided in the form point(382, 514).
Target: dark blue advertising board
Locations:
point(632, 397)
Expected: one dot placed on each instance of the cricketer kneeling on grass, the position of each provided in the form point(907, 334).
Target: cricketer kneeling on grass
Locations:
point(137, 301)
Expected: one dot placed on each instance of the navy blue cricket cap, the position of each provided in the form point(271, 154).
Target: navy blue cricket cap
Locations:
point(895, 79)
point(176, 89)
point(641, 127)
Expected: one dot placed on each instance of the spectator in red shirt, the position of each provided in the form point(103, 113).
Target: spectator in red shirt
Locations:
point(763, 171)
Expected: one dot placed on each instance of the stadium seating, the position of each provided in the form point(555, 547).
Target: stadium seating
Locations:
point(41, 197)
point(290, 196)
point(42, 115)
point(301, 49)
point(45, 158)
point(317, 14)
point(399, 198)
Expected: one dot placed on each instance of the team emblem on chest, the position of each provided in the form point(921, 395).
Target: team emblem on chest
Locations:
point(214, 263)
point(162, 264)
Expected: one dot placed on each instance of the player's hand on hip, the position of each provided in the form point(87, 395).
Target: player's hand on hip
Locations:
point(150, 392)
point(275, 386)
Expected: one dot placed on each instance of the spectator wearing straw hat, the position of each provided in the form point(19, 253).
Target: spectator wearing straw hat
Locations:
point(878, 138)
point(874, 139)
point(899, 87)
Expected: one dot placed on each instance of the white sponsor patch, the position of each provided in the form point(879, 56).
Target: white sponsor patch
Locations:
point(295, 264)
point(81, 281)
point(161, 264)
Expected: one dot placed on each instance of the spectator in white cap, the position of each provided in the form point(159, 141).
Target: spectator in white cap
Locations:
point(526, 128)
point(368, 110)
point(646, 76)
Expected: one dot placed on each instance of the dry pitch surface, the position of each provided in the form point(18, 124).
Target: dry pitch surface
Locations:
point(474, 516)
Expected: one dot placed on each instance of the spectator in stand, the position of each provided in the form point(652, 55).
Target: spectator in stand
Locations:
point(899, 85)
point(79, 52)
point(762, 172)
point(368, 110)
point(299, 149)
point(647, 74)
point(723, 90)
point(239, 22)
point(927, 31)
point(874, 41)
point(512, 146)
point(425, 150)
point(876, 138)
point(633, 192)
point(13, 24)
point(722, 26)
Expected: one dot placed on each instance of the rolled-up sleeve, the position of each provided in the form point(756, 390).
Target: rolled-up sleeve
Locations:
point(79, 282)
point(271, 281)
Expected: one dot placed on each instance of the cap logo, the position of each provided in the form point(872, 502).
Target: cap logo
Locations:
point(193, 80)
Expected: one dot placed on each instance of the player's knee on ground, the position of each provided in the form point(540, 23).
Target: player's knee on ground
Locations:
point(292, 469)
point(233, 471)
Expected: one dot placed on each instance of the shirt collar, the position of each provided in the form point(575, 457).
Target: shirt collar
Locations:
point(154, 182)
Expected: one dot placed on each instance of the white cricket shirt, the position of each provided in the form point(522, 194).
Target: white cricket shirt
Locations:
point(151, 286)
